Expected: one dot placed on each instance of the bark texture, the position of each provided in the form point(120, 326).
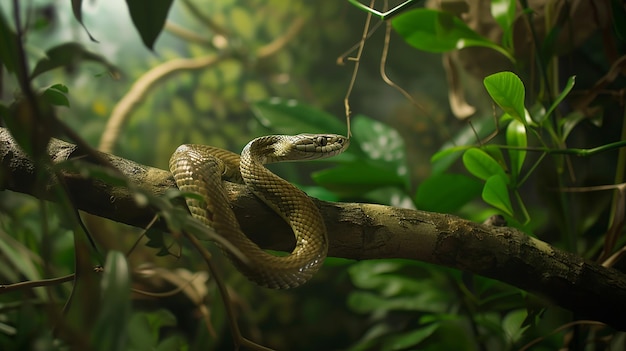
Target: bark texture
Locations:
point(356, 231)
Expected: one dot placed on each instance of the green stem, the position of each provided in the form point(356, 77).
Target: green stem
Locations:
point(520, 203)
point(570, 151)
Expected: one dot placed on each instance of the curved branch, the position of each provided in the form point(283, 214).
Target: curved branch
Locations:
point(359, 231)
point(142, 87)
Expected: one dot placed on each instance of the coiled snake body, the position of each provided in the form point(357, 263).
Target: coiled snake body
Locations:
point(200, 169)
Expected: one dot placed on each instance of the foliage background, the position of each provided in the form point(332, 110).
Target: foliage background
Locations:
point(390, 304)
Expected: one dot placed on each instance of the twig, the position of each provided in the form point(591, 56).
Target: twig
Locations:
point(357, 60)
point(30, 284)
point(383, 73)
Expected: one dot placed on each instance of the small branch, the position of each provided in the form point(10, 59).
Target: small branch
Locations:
point(204, 19)
point(187, 35)
point(280, 42)
point(35, 283)
point(151, 79)
point(142, 87)
point(356, 231)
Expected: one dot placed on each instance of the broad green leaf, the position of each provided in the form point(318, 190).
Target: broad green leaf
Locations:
point(443, 154)
point(496, 153)
point(392, 196)
point(8, 49)
point(373, 274)
point(356, 178)
point(67, 55)
point(461, 141)
point(446, 193)
point(149, 18)
point(512, 324)
point(424, 301)
point(21, 261)
point(78, 14)
point(481, 164)
point(569, 122)
point(111, 332)
point(516, 136)
point(291, 117)
point(503, 11)
point(537, 113)
point(507, 90)
point(144, 329)
point(566, 90)
point(436, 31)
point(496, 193)
point(382, 144)
point(55, 95)
point(409, 340)
point(141, 334)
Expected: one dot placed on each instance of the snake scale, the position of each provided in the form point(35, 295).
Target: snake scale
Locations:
point(200, 169)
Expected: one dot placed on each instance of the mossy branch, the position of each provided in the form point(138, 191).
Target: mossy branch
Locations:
point(356, 231)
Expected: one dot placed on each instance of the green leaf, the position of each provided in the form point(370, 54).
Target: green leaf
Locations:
point(392, 196)
point(409, 340)
point(570, 121)
point(446, 193)
point(444, 154)
point(353, 179)
point(149, 18)
point(503, 11)
point(436, 31)
point(20, 260)
point(78, 14)
point(496, 153)
point(68, 55)
point(424, 301)
point(291, 117)
point(571, 81)
point(507, 90)
point(516, 136)
point(55, 95)
point(496, 194)
point(8, 50)
point(512, 324)
point(111, 332)
point(382, 144)
point(461, 141)
point(481, 164)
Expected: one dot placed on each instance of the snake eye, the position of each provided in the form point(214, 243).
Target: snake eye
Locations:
point(322, 141)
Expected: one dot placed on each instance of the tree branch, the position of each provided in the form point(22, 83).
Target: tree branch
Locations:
point(357, 231)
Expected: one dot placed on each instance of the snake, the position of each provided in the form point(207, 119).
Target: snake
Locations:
point(202, 169)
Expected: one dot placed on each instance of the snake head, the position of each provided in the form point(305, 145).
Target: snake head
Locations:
point(315, 146)
point(301, 147)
